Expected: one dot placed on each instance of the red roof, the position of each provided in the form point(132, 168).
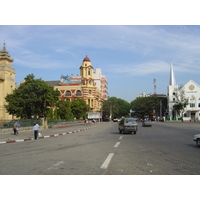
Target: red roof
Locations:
point(86, 59)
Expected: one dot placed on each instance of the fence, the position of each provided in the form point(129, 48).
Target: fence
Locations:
point(7, 125)
point(21, 123)
point(52, 123)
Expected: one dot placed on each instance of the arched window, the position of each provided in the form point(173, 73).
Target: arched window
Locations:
point(78, 93)
point(68, 93)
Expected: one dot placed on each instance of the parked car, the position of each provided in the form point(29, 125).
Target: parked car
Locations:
point(128, 125)
point(146, 123)
point(196, 138)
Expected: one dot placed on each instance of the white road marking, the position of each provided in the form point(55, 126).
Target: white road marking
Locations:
point(19, 140)
point(120, 137)
point(2, 142)
point(117, 144)
point(107, 161)
point(59, 163)
point(55, 166)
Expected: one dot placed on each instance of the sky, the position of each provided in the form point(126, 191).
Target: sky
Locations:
point(130, 56)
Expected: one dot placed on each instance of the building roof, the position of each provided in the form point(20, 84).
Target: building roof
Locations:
point(159, 95)
point(53, 83)
point(5, 54)
point(86, 59)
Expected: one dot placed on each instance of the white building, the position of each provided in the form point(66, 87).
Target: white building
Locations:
point(144, 94)
point(190, 91)
point(101, 83)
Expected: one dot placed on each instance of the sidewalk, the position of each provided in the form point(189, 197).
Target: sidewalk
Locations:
point(27, 135)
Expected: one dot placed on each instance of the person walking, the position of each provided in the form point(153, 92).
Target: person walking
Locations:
point(16, 128)
point(35, 129)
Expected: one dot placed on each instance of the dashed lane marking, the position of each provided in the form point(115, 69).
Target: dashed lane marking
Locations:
point(117, 144)
point(56, 165)
point(107, 161)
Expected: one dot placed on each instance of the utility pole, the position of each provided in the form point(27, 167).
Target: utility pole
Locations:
point(160, 109)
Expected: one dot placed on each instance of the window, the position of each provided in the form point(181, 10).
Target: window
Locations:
point(90, 91)
point(78, 93)
point(68, 93)
point(68, 100)
point(89, 71)
point(192, 105)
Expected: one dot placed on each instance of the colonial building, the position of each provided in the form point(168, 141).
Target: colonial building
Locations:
point(82, 86)
point(7, 81)
point(190, 92)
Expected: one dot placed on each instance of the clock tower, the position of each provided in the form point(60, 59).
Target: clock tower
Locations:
point(7, 81)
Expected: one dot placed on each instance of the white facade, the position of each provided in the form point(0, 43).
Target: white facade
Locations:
point(172, 92)
point(190, 91)
point(97, 78)
point(101, 82)
point(143, 94)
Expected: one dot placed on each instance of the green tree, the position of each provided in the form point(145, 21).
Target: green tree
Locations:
point(33, 98)
point(64, 109)
point(79, 108)
point(116, 107)
point(145, 106)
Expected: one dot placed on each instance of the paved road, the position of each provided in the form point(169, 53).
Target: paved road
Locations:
point(166, 148)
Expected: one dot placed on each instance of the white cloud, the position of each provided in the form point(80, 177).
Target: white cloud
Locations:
point(143, 69)
point(155, 46)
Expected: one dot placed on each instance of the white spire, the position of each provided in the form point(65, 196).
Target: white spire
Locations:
point(172, 80)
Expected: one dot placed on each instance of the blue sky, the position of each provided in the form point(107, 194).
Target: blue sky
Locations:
point(130, 56)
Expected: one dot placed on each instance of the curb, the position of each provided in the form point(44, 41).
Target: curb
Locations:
point(46, 136)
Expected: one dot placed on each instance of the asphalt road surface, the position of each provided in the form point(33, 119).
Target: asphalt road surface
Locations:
point(163, 149)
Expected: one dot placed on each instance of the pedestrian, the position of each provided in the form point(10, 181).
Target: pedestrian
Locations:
point(16, 128)
point(35, 129)
point(38, 126)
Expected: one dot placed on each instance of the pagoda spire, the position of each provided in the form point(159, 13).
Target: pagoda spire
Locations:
point(172, 80)
point(4, 46)
point(4, 55)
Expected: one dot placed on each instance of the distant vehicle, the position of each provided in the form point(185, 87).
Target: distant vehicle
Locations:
point(128, 125)
point(146, 123)
point(196, 138)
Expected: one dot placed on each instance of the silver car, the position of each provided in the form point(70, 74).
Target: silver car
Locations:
point(128, 125)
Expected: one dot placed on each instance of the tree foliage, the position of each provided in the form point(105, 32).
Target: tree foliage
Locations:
point(79, 108)
point(181, 102)
point(116, 107)
point(146, 106)
point(64, 109)
point(33, 98)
